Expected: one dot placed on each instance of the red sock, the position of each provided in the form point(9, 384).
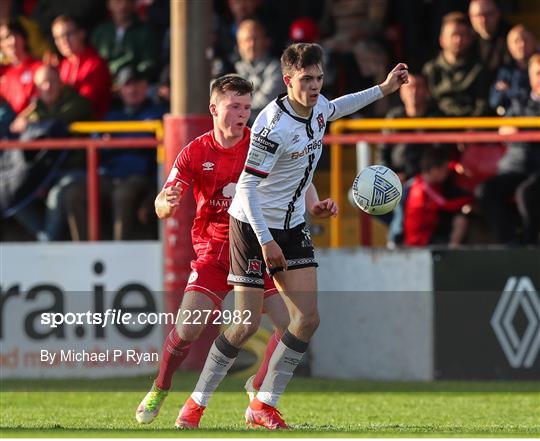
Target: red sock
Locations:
point(174, 352)
point(261, 373)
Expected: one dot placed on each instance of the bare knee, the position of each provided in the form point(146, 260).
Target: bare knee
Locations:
point(189, 332)
point(238, 334)
point(307, 323)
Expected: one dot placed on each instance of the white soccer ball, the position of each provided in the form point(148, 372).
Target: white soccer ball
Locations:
point(377, 190)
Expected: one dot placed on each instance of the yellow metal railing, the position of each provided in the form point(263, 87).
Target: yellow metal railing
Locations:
point(360, 125)
point(150, 126)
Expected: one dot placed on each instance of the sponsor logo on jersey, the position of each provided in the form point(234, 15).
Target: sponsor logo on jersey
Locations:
point(256, 157)
point(320, 121)
point(254, 267)
point(310, 148)
point(261, 141)
point(229, 190)
point(208, 166)
point(228, 193)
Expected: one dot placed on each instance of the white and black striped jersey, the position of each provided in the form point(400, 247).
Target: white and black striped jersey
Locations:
point(283, 153)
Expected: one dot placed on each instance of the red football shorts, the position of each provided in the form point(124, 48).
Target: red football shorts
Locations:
point(211, 279)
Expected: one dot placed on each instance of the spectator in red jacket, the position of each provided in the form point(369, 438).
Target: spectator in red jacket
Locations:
point(82, 67)
point(17, 80)
point(432, 207)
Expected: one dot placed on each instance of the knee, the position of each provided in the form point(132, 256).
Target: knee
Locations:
point(240, 333)
point(309, 322)
point(189, 333)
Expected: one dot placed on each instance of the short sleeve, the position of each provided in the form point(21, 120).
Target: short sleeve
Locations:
point(182, 173)
point(265, 147)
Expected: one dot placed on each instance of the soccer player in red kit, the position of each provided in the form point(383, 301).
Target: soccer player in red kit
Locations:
point(212, 163)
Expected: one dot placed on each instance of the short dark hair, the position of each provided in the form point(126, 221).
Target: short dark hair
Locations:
point(67, 19)
point(455, 17)
point(300, 55)
point(230, 82)
point(433, 157)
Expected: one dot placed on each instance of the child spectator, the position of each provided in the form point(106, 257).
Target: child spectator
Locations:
point(432, 207)
point(81, 67)
point(512, 82)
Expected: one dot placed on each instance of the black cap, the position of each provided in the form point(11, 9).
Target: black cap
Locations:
point(128, 74)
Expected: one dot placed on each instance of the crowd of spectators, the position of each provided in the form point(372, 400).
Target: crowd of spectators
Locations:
point(64, 61)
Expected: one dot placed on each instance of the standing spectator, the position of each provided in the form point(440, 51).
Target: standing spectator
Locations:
point(17, 81)
point(257, 66)
point(432, 207)
point(127, 177)
point(456, 80)
point(512, 82)
point(125, 41)
point(490, 30)
point(404, 158)
point(82, 67)
point(518, 175)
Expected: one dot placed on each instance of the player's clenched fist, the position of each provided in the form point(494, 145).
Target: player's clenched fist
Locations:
point(167, 200)
point(398, 76)
point(173, 195)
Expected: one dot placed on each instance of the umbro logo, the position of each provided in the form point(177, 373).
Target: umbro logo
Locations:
point(208, 166)
point(296, 139)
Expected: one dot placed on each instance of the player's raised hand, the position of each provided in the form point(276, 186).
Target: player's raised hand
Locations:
point(398, 76)
point(324, 209)
point(273, 255)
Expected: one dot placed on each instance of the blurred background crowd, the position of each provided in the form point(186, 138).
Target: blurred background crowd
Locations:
point(82, 60)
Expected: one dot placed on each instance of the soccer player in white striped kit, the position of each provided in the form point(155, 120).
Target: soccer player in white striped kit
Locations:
point(267, 229)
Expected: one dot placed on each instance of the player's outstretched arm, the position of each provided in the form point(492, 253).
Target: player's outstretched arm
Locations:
point(167, 201)
point(318, 208)
point(398, 76)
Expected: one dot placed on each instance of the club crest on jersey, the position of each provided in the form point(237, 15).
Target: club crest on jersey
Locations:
point(208, 166)
point(320, 121)
point(254, 267)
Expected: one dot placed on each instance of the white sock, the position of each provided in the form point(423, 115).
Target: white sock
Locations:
point(215, 368)
point(280, 371)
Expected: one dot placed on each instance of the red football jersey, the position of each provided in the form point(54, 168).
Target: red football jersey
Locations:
point(213, 170)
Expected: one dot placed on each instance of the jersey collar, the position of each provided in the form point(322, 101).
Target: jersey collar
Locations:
point(307, 121)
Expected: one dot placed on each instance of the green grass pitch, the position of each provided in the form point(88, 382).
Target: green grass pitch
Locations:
point(314, 408)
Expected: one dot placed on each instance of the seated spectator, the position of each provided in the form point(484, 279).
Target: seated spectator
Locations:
point(512, 82)
point(17, 81)
point(404, 158)
point(128, 177)
point(81, 67)
point(56, 107)
point(37, 44)
point(125, 41)
point(256, 65)
point(518, 176)
point(456, 80)
point(432, 208)
point(490, 30)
